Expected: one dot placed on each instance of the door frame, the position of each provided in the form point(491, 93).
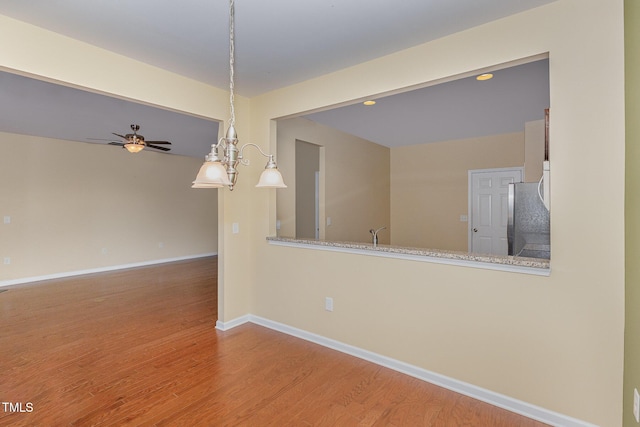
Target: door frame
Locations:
point(470, 194)
point(317, 203)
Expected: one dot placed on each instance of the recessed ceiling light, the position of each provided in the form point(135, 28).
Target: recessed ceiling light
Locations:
point(371, 102)
point(485, 76)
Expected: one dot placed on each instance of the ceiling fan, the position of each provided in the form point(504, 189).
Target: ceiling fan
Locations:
point(135, 143)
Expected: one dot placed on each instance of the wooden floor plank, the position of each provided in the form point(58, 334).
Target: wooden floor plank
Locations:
point(139, 347)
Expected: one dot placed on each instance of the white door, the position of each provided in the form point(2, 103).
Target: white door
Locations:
point(488, 209)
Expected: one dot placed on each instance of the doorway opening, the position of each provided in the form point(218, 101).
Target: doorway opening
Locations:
point(307, 190)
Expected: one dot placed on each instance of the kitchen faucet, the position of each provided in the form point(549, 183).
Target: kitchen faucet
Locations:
point(374, 235)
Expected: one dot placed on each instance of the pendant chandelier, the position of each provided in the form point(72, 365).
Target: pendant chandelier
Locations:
point(219, 169)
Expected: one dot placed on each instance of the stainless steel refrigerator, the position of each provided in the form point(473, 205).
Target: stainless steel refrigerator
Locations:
point(528, 232)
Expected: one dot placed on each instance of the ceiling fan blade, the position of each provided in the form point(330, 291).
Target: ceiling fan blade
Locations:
point(121, 136)
point(97, 139)
point(116, 143)
point(158, 147)
point(158, 142)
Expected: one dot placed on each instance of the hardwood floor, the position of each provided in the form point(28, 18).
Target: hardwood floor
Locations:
point(139, 347)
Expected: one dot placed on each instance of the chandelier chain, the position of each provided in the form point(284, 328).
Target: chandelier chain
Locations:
point(232, 119)
point(219, 169)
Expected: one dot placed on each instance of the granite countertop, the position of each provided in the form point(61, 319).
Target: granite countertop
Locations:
point(535, 263)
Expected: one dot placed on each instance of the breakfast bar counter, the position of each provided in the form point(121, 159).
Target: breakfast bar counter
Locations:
point(524, 265)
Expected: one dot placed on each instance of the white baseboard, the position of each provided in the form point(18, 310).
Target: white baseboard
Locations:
point(225, 326)
point(4, 283)
point(484, 395)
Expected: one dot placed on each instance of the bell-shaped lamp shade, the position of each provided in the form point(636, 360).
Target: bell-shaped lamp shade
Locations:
point(271, 178)
point(133, 147)
point(211, 175)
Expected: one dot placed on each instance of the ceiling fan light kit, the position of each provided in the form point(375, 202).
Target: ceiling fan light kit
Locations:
point(136, 143)
point(219, 168)
point(134, 147)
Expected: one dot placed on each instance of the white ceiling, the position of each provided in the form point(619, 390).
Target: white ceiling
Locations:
point(34, 107)
point(278, 43)
point(459, 109)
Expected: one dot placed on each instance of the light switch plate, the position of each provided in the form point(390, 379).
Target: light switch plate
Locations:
point(328, 304)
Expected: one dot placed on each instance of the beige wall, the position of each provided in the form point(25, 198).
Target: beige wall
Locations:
point(429, 187)
point(77, 206)
point(632, 217)
point(49, 56)
point(555, 342)
point(354, 176)
point(533, 150)
point(428, 184)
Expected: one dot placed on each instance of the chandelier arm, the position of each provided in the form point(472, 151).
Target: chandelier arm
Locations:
point(240, 156)
point(214, 154)
point(221, 143)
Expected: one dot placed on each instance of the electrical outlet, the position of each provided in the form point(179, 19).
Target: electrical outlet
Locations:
point(636, 405)
point(7, 219)
point(160, 245)
point(235, 228)
point(328, 304)
point(7, 260)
